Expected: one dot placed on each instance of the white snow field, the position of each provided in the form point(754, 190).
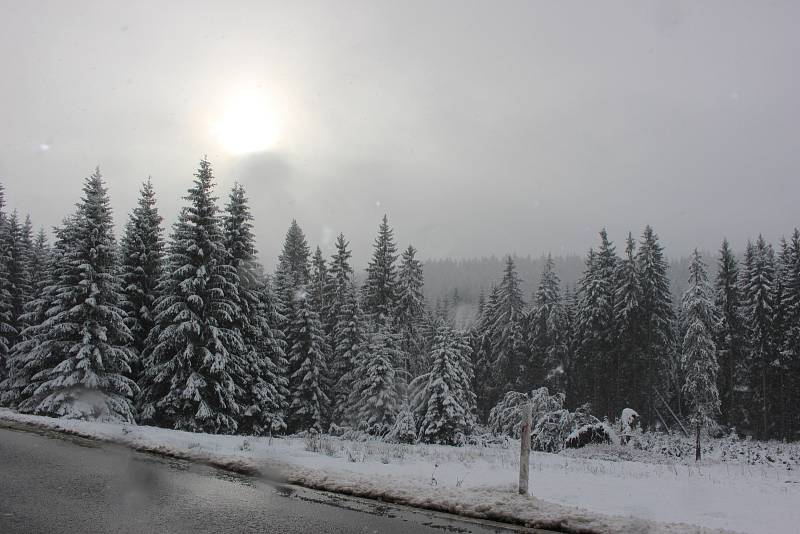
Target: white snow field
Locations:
point(573, 492)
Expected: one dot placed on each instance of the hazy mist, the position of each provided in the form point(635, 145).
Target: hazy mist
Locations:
point(479, 127)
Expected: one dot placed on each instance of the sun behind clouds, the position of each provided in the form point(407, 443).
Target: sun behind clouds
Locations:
point(247, 124)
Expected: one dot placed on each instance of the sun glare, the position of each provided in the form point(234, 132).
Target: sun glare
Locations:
point(247, 124)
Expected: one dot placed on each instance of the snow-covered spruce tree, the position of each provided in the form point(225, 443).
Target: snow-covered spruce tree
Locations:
point(509, 359)
point(790, 351)
point(627, 312)
point(18, 244)
point(729, 336)
point(293, 269)
point(548, 330)
point(758, 286)
point(308, 367)
point(375, 396)
point(272, 343)
point(193, 371)
point(263, 393)
point(343, 329)
point(380, 286)
point(35, 352)
point(569, 307)
point(596, 325)
point(482, 336)
point(39, 263)
point(410, 310)
point(658, 321)
point(321, 287)
point(7, 331)
point(84, 326)
point(34, 314)
point(341, 276)
point(698, 352)
point(291, 277)
point(141, 250)
point(443, 399)
point(348, 340)
point(783, 365)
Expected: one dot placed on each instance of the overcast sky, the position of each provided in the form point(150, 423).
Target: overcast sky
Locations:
point(479, 127)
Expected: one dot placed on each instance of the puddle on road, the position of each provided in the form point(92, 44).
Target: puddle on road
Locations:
point(172, 463)
point(233, 477)
point(284, 491)
point(448, 528)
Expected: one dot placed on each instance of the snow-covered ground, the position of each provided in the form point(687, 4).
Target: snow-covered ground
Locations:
point(576, 493)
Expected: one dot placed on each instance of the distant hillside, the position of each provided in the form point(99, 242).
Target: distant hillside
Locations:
point(466, 278)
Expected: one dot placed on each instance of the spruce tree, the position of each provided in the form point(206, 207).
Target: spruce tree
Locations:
point(192, 365)
point(347, 343)
point(320, 286)
point(18, 270)
point(781, 366)
point(570, 322)
point(483, 335)
point(596, 326)
point(291, 278)
point(444, 401)
point(142, 250)
point(272, 343)
point(85, 354)
point(729, 339)
point(658, 321)
point(375, 396)
point(380, 286)
point(410, 310)
point(34, 352)
point(344, 329)
point(758, 286)
point(790, 351)
point(7, 331)
point(263, 392)
point(293, 269)
point(548, 342)
point(627, 311)
point(341, 277)
point(308, 367)
point(39, 262)
point(508, 327)
point(698, 352)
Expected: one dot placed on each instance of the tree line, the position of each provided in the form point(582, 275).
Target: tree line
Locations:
point(727, 353)
point(190, 332)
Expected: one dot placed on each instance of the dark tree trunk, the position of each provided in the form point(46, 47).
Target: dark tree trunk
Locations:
point(697, 444)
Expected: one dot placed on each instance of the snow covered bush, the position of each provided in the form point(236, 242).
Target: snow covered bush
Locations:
point(628, 421)
point(506, 416)
point(593, 433)
point(552, 429)
point(551, 422)
point(404, 429)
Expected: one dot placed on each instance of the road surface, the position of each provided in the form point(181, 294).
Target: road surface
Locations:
point(52, 483)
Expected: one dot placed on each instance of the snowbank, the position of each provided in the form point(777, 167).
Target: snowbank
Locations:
point(572, 494)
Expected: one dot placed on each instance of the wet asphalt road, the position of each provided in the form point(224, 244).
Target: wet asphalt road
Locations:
point(51, 483)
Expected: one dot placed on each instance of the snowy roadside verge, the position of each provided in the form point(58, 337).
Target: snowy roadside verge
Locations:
point(281, 460)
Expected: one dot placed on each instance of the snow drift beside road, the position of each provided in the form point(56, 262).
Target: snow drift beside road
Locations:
point(479, 481)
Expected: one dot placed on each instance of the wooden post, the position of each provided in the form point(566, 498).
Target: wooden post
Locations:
point(525, 449)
